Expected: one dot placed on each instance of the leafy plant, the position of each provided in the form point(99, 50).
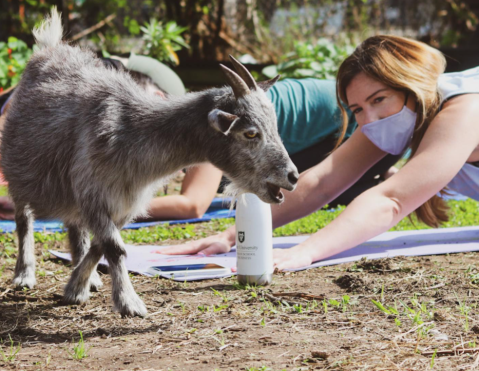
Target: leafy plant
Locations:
point(14, 55)
point(163, 41)
point(320, 60)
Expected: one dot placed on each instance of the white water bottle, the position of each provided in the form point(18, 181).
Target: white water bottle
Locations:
point(254, 241)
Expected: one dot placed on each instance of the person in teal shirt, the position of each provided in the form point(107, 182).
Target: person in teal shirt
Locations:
point(307, 112)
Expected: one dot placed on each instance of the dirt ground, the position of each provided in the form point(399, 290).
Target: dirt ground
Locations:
point(321, 319)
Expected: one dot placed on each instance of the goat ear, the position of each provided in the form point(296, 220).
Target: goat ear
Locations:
point(266, 85)
point(222, 121)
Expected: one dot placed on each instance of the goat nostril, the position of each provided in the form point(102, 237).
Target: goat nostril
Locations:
point(293, 177)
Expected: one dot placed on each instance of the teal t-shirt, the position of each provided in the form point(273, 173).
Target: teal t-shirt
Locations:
point(307, 112)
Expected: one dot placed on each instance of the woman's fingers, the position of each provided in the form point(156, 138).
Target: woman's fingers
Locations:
point(216, 248)
point(290, 258)
point(183, 249)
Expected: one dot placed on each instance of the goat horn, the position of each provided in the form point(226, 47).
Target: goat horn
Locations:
point(244, 73)
point(240, 89)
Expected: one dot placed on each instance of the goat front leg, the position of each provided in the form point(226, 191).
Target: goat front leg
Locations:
point(77, 290)
point(79, 241)
point(25, 267)
point(125, 299)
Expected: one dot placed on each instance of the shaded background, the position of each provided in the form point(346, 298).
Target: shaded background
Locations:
point(261, 32)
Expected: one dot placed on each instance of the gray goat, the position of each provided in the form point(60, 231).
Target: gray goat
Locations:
point(86, 144)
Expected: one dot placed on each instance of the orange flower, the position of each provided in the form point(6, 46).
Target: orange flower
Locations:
point(1, 89)
point(9, 51)
point(11, 72)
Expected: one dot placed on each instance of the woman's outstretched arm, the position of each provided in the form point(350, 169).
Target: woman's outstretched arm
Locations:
point(446, 146)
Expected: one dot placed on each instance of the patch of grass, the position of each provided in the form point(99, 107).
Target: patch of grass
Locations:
point(3, 190)
point(309, 224)
point(11, 351)
point(79, 350)
point(462, 214)
point(158, 233)
point(464, 310)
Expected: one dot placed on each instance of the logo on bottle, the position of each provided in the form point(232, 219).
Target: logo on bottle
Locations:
point(241, 237)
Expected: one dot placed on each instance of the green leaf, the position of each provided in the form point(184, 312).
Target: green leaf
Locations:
point(133, 27)
point(380, 306)
point(303, 72)
point(316, 66)
point(270, 71)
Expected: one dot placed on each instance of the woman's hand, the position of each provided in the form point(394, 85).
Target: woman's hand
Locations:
point(218, 244)
point(295, 257)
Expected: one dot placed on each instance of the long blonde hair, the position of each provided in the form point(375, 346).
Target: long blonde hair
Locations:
point(406, 65)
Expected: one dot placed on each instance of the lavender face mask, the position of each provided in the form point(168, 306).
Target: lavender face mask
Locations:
point(392, 134)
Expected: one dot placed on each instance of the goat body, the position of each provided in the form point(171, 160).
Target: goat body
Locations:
point(86, 144)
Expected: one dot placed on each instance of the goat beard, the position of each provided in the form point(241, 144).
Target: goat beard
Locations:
point(234, 191)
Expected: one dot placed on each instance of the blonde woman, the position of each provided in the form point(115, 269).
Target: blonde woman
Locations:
point(400, 97)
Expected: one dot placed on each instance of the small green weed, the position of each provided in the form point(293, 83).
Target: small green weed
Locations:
point(464, 309)
point(433, 359)
point(219, 308)
point(262, 368)
point(79, 350)
point(222, 295)
point(12, 351)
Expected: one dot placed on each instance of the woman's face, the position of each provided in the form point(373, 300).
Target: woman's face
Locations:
point(370, 100)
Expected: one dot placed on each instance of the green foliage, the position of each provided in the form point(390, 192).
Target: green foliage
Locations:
point(79, 350)
point(433, 358)
point(12, 351)
point(3, 190)
point(14, 55)
point(158, 233)
point(262, 368)
point(320, 60)
point(462, 214)
point(163, 41)
point(309, 224)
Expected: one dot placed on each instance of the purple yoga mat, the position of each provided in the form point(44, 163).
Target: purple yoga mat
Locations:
point(386, 245)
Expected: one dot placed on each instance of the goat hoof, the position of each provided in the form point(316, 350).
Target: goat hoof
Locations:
point(75, 295)
point(131, 307)
point(95, 282)
point(25, 279)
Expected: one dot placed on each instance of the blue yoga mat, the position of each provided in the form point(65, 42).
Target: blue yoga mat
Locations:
point(219, 208)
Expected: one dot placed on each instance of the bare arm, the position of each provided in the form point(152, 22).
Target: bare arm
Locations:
point(446, 146)
point(324, 182)
point(198, 189)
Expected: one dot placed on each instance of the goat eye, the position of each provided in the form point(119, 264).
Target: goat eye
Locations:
point(251, 134)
